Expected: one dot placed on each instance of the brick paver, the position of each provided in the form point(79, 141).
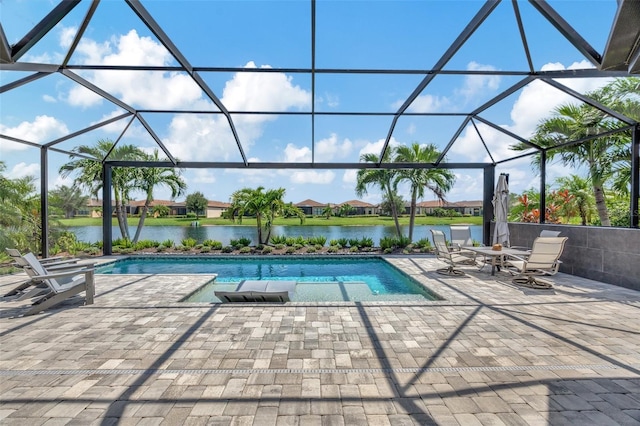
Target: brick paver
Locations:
point(489, 353)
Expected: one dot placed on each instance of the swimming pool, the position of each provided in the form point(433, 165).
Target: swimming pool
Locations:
point(319, 279)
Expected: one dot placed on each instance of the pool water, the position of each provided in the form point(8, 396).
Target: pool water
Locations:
point(321, 279)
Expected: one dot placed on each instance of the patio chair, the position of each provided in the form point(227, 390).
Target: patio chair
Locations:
point(461, 238)
point(544, 259)
point(30, 288)
point(59, 290)
point(444, 254)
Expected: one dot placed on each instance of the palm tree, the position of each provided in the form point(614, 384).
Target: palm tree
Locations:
point(20, 225)
point(573, 122)
point(327, 211)
point(581, 200)
point(68, 199)
point(90, 173)
point(150, 177)
point(438, 181)
point(265, 206)
point(383, 178)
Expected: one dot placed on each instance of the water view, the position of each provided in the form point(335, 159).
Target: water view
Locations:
point(225, 234)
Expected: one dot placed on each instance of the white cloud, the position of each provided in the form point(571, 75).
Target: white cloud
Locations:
point(293, 154)
point(428, 103)
point(49, 99)
point(330, 148)
point(194, 136)
point(476, 84)
point(42, 129)
point(350, 176)
point(23, 169)
point(203, 176)
point(315, 177)
point(376, 147)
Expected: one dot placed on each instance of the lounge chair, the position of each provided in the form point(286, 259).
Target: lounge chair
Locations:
point(259, 291)
point(544, 259)
point(31, 288)
point(460, 237)
point(450, 257)
point(81, 280)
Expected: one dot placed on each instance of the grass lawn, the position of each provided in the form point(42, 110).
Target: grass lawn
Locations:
point(315, 221)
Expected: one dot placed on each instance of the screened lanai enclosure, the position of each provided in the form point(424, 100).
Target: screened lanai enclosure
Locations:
point(248, 88)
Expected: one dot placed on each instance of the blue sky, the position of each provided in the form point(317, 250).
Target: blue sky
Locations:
point(407, 35)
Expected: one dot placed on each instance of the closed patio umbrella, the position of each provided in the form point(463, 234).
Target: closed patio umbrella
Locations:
point(501, 211)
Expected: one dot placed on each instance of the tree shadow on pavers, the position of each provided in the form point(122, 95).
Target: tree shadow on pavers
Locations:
point(118, 406)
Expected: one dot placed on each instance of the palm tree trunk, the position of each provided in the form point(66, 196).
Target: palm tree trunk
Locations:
point(143, 216)
point(412, 216)
point(601, 206)
point(259, 223)
point(394, 211)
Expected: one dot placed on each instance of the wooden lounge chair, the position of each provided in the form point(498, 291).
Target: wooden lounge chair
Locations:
point(452, 258)
point(544, 259)
point(31, 288)
point(81, 280)
point(259, 291)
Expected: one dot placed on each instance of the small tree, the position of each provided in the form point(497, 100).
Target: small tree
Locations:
point(327, 212)
point(196, 203)
point(67, 199)
point(161, 210)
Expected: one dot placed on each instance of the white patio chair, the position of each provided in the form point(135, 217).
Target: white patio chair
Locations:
point(544, 259)
point(452, 258)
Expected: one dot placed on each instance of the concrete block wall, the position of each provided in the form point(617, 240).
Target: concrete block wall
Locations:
point(610, 255)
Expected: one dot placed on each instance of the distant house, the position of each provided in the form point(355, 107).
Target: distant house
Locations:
point(471, 208)
point(359, 207)
point(216, 208)
point(311, 207)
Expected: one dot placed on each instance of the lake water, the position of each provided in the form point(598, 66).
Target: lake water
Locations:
point(226, 233)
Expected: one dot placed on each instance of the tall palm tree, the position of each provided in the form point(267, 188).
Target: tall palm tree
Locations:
point(382, 178)
point(572, 122)
point(90, 173)
point(148, 178)
point(438, 181)
point(265, 206)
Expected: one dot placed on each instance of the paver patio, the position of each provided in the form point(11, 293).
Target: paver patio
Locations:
point(490, 353)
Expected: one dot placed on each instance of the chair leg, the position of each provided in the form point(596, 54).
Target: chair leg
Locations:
point(531, 282)
point(451, 271)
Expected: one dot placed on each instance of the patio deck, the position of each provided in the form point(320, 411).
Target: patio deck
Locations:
point(490, 353)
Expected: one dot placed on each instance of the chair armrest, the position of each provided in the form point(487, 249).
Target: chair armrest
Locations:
point(69, 273)
point(69, 261)
point(515, 256)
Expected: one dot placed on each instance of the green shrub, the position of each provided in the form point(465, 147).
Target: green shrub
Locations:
point(267, 249)
point(167, 243)
point(388, 250)
point(205, 249)
point(189, 242)
point(311, 249)
point(240, 242)
point(227, 249)
point(92, 250)
point(278, 239)
point(333, 249)
point(387, 243)
point(353, 242)
point(290, 250)
point(245, 249)
point(423, 243)
point(365, 242)
point(280, 246)
point(318, 246)
point(354, 249)
point(334, 243)
point(160, 249)
point(122, 242)
point(319, 240)
point(343, 242)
